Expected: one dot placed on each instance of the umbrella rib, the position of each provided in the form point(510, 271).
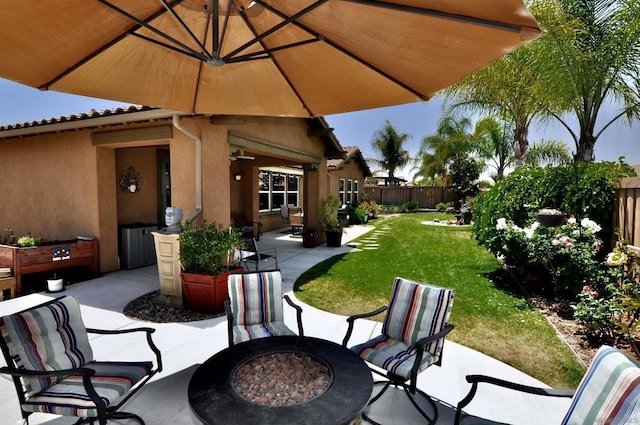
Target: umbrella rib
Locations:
point(101, 49)
point(185, 27)
point(442, 15)
point(145, 24)
point(287, 20)
point(266, 53)
point(347, 52)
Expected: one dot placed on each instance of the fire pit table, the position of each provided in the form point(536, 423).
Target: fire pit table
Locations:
point(281, 380)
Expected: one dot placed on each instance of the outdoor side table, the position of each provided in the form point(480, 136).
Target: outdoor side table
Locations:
point(215, 401)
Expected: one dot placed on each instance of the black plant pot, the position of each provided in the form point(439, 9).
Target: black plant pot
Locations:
point(550, 220)
point(334, 239)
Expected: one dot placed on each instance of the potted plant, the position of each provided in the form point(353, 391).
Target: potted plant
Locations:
point(328, 218)
point(550, 217)
point(207, 256)
point(374, 208)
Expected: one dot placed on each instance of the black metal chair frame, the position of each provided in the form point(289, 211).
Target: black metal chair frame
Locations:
point(259, 255)
point(104, 413)
point(474, 380)
point(296, 307)
point(391, 379)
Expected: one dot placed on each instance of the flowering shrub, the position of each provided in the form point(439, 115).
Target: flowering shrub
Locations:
point(612, 309)
point(567, 256)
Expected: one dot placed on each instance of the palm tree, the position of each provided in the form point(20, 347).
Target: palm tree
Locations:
point(492, 143)
point(388, 143)
point(591, 56)
point(508, 88)
point(548, 152)
point(437, 151)
point(492, 139)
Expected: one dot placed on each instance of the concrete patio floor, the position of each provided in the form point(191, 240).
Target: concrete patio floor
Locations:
point(186, 345)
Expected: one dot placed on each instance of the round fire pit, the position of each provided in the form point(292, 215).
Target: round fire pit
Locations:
point(281, 380)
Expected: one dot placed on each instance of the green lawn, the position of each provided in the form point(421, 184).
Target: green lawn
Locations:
point(488, 317)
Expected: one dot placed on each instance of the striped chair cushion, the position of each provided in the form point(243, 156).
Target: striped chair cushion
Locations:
point(246, 333)
point(69, 398)
point(392, 355)
point(609, 393)
point(256, 298)
point(417, 310)
point(49, 337)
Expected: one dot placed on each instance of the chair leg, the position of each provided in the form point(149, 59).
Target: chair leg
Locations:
point(411, 397)
point(127, 415)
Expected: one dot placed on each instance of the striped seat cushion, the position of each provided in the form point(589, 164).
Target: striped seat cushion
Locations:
point(609, 393)
point(256, 303)
point(69, 398)
point(248, 332)
point(416, 311)
point(49, 337)
point(392, 355)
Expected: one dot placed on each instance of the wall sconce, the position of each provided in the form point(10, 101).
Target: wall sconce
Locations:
point(130, 181)
point(237, 176)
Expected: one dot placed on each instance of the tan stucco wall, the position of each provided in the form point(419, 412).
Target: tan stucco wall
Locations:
point(59, 186)
point(350, 170)
point(140, 206)
point(48, 186)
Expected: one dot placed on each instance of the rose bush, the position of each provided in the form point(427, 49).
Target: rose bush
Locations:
point(551, 260)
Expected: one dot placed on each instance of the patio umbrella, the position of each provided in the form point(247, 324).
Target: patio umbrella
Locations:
point(264, 57)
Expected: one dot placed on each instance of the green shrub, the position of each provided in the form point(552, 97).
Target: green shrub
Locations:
point(410, 206)
point(359, 214)
point(443, 206)
point(582, 190)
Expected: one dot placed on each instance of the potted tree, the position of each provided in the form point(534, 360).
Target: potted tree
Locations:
point(207, 256)
point(329, 221)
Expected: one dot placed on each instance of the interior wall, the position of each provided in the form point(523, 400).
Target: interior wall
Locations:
point(140, 206)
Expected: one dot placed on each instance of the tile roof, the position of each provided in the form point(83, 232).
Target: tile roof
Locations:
point(352, 153)
point(77, 117)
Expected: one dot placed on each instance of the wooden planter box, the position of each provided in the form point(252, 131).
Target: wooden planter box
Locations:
point(206, 293)
point(50, 257)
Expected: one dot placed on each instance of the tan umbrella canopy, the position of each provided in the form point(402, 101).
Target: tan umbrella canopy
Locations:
point(275, 57)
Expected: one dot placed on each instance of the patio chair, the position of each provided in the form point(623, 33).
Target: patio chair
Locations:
point(49, 357)
point(284, 213)
point(253, 254)
point(255, 309)
point(609, 392)
point(412, 338)
point(296, 220)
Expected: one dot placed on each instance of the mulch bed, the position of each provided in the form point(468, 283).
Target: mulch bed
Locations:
point(147, 308)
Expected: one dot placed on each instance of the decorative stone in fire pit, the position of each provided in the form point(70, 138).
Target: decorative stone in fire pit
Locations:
point(281, 380)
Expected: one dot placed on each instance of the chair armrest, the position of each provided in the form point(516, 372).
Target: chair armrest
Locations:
point(474, 380)
point(298, 313)
point(81, 371)
point(227, 309)
point(421, 343)
point(352, 319)
point(148, 331)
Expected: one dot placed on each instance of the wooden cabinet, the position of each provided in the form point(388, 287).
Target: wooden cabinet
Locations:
point(50, 257)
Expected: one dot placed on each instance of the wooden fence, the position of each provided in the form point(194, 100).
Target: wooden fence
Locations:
point(627, 216)
point(426, 196)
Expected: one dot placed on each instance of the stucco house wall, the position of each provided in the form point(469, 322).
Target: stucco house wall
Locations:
point(64, 184)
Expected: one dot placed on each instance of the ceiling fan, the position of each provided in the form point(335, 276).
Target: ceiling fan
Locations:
point(239, 154)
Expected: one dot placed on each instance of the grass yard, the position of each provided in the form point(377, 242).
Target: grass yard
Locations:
point(488, 317)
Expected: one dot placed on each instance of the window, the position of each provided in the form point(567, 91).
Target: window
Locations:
point(356, 191)
point(276, 188)
point(349, 191)
point(343, 199)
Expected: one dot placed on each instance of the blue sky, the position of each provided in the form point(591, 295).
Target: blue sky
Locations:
point(19, 103)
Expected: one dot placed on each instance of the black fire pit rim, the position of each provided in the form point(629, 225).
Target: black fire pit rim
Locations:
point(217, 403)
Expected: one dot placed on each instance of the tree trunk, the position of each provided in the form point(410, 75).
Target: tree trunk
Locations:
point(585, 148)
point(520, 144)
